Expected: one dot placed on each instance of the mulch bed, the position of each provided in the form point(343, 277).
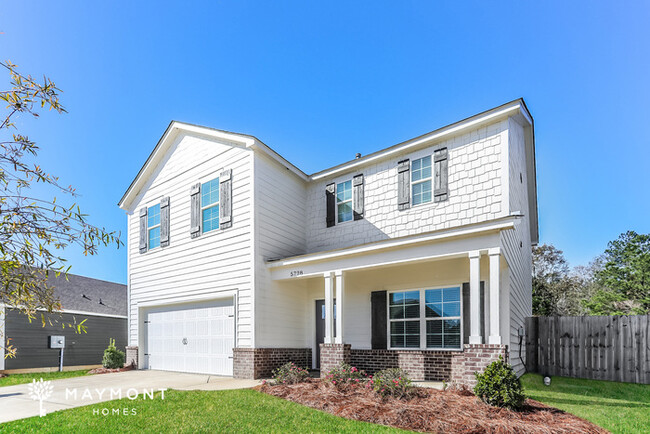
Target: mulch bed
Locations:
point(431, 410)
point(108, 371)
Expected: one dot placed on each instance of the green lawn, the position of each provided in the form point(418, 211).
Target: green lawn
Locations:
point(244, 410)
point(618, 407)
point(27, 378)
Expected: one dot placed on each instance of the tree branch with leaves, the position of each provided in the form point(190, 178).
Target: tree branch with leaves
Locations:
point(34, 231)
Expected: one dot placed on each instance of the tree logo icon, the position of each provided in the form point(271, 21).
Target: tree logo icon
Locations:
point(40, 390)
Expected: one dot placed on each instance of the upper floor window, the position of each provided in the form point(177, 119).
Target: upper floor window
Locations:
point(153, 226)
point(210, 205)
point(421, 180)
point(425, 318)
point(344, 201)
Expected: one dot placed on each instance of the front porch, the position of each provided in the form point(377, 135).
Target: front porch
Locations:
point(434, 307)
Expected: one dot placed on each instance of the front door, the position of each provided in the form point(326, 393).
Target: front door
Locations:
point(320, 327)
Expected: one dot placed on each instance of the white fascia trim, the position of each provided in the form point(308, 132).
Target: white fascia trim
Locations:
point(259, 146)
point(176, 127)
point(437, 135)
point(498, 225)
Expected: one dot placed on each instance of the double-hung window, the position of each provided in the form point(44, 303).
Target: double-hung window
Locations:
point(210, 205)
point(153, 226)
point(421, 180)
point(344, 201)
point(425, 318)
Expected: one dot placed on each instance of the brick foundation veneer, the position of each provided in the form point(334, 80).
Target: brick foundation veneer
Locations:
point(331, 355)
point(131, 356)
point(426, 365)
point(260, 362)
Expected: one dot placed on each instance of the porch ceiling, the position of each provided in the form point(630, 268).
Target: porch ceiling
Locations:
point(435, 245)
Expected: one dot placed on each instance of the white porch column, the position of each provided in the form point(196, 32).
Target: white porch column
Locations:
point(340, 300)
point(475, 297)
point(495, 306)
point(329, 309)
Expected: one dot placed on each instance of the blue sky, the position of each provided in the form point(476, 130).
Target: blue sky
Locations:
point(321, 81)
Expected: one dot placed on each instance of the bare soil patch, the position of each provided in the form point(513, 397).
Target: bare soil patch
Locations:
point(430, 410)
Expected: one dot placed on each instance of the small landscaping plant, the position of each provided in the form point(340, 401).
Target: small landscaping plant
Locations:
point(391, 382)
point(113, 358)
point(290, 373)
point(345, 374)
point(499, 386)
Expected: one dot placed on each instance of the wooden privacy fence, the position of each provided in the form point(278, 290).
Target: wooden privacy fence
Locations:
point(615, 348)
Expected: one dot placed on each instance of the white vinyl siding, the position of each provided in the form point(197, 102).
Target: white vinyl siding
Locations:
point(218, 262)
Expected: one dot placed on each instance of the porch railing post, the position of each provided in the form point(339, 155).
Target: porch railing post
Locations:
point(329, 309)
point(474, 297)
point(340, 300)
point(495, 306)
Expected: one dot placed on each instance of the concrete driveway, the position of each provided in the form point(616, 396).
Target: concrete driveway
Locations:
point(16, 402)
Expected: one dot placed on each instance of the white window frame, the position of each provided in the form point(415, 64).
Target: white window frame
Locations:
point(351, 200)
point(413, 183)
point(212, 205)
point(149, 228)
point(423, 320)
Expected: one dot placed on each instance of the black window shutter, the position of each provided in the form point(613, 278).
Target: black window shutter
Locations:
point(440, 184)
point(164, 222)
point(195, 210)
point(331, 204)
point(225, 199)
point(357, 206)
point(466, 312)
point(379, 320)
point(143, 229)
point(404, 184)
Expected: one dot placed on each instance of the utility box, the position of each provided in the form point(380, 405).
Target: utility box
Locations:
point(57, 341)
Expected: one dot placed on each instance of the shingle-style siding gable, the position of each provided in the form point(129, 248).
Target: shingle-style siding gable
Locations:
point(475, 177)
point(212, 264)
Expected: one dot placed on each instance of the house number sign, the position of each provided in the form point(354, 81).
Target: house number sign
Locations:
point(296, 273)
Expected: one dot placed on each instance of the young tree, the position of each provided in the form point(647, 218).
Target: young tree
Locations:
point(34, 231)
point(624, 277)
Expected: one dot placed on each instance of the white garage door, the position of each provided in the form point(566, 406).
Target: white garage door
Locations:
point(196, 337)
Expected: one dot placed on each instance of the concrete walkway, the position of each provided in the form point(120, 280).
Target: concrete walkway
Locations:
point(16, 403)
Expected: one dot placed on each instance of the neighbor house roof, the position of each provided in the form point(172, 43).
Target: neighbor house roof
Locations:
point(84, 294)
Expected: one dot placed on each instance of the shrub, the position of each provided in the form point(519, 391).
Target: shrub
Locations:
point(344, 374)
point(391, 382)
point(113, 358)
point(289, 373)
point(499, 386)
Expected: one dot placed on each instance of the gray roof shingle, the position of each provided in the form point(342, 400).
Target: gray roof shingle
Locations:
point(71, 293)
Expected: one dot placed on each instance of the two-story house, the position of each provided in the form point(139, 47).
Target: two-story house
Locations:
point(416, 256)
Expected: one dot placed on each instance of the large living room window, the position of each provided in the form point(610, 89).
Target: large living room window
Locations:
point(425, 318)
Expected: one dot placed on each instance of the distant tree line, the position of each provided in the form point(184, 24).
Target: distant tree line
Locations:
point(615, 283)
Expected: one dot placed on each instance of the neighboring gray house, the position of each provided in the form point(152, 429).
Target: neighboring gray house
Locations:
point(101, 304)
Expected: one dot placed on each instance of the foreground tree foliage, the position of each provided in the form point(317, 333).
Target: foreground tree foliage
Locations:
point(34, 231)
